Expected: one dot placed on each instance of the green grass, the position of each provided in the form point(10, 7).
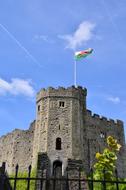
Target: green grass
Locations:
point(22, 184)
point(109, 186)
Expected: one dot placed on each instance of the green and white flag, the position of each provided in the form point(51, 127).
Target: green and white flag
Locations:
point(81, 54)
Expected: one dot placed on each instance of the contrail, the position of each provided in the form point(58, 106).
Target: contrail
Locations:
point(20, 45)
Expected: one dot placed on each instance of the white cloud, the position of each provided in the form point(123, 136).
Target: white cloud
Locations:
point(83, 34)
point(115, 100)
point(17, 87)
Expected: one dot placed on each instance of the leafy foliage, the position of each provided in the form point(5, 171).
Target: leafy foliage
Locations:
point(105, 165)
point(107, 160)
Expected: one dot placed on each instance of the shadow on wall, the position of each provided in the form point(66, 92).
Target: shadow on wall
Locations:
point(3, 175)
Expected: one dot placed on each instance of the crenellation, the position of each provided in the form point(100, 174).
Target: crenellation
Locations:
point(70, 92)
point(82, 90)
point(50, 89)
point(42, 93)
point(71, 87)
point(105, 119)
point(61, 88)
point(119, 122)
point(80, 87)
point(111, 122)
point(89, 113)
point(99, 118)
point(96, 116)
point(61, 116)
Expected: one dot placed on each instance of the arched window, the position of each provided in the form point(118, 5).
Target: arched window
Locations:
point(58, 143)
point(38, 107)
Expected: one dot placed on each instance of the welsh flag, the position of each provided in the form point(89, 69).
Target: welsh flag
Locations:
point(81, 54)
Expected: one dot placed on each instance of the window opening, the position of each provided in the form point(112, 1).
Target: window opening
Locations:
point(102, 135)
point(61, 104)
point(38, 107)
point(58, 143)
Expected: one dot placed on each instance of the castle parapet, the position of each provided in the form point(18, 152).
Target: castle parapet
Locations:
point(89, 113)
point(75, 92)
point(119, 122)
point(104, 118)
point(109, 122)
point(96, 116)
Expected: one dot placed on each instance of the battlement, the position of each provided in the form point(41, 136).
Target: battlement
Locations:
point(77, 92)
point(109, 121)
point(63, 130)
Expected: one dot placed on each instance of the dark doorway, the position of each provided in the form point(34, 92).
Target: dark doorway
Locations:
point(57, 168)
point(57, 173)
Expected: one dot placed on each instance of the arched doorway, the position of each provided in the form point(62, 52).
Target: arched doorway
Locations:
point(57, 168)
point(57, 173)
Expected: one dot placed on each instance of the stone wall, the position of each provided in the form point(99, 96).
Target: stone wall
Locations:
point(16, 148)
point(61, 113)
point(6, 149)
point(59, 121)
point(40, 134)
point(97, 129)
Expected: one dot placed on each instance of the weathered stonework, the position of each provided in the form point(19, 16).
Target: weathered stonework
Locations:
point(61, 114)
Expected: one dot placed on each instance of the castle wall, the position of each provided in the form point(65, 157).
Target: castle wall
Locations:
point(40, 134)
point(61, 113)
point(23, 148)
point(16, 148)
point(98, 128)
point(6, 149)
point(78, 112)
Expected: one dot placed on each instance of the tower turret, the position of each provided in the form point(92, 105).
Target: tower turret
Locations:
point(59, 124)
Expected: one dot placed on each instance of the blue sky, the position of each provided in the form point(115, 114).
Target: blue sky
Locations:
point(37, 41)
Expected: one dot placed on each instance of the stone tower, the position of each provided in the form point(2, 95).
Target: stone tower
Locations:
point(59, 124)
point(64, 134)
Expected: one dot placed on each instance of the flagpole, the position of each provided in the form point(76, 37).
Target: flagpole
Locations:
point(75, 72)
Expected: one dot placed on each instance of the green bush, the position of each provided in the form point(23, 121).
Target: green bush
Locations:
point(106, 162)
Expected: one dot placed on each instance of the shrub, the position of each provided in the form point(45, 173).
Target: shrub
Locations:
point(106, 163)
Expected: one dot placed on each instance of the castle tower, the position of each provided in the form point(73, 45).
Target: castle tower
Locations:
point(59, 125)
point(64, 134)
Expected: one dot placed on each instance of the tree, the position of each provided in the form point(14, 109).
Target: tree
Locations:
point(106, 161)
